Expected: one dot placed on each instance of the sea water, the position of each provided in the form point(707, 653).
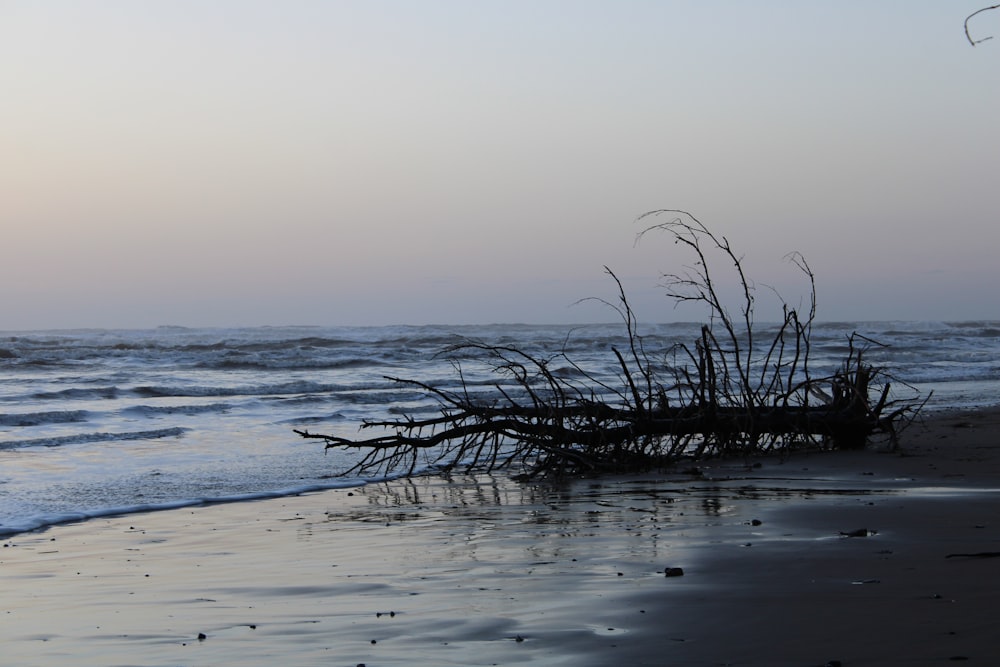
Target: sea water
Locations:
point(101, 422)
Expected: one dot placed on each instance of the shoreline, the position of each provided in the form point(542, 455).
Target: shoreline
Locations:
point(482, 571)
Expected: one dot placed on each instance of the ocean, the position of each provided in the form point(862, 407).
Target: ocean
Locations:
point(106, 422)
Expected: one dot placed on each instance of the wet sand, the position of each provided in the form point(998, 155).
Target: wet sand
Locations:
point(863, 558)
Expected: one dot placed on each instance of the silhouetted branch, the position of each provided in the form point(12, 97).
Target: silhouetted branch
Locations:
point(969, 17)
point(728, 393)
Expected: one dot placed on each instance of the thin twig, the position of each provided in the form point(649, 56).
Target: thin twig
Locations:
point(969, 17)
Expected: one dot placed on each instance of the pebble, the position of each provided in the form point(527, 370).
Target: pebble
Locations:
point(860, 532)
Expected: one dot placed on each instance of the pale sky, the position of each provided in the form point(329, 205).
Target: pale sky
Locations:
point(239, 162)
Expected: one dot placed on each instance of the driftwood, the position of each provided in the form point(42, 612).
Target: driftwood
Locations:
point(726, 394)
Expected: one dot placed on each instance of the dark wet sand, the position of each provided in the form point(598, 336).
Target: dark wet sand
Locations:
point(482, 571)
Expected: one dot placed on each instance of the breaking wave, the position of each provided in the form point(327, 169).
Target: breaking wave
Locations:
point(81, 438)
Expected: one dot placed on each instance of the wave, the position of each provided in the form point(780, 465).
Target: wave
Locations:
point(337, 348)
point(293, 387)
point(922, 373)
point(301, 364)
point(44, 521)
point(269, 348)
point(40, 418)
point(165, 391)
point(78, 393)
point(81, 438)
point(153, 410)
point(313, 420)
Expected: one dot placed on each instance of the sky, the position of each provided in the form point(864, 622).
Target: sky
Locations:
point(241, 163)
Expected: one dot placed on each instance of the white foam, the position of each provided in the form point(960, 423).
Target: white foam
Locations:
point(12, 527)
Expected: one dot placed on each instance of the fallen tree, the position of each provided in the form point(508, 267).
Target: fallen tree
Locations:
point(728, 393)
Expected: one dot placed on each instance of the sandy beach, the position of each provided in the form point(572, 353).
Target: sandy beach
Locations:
point(848, 558)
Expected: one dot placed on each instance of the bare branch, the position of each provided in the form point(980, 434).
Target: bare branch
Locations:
point(718, 396)
point(968, 36)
